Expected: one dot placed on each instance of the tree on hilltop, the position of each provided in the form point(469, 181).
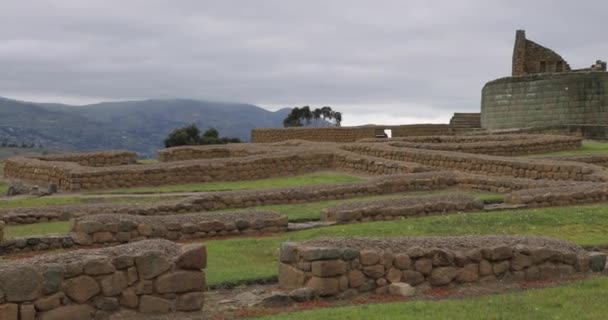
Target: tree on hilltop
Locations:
point(299, 117)
point(191, 135)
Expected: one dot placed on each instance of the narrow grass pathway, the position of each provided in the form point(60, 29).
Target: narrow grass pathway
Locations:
point(582, 300)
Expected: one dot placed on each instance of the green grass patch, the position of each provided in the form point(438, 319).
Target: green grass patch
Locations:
point(147, 161)
point(26, 230)
point(3, 188)
point(70, 200)
point(582, 300)
point(242, 259)
point(302, 180)
point(589, 148)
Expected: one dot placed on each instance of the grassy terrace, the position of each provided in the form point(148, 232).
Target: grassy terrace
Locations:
point(589, 148)
point(245, 259)
point(583, 300)
point(301, 180)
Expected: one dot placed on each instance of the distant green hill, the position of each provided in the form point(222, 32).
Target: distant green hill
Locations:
point(134, 125)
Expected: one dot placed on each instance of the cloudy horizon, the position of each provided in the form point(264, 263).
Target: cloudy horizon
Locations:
point(376, 61)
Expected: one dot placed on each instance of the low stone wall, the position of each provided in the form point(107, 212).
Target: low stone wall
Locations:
point(362, 164)
point(153, 276)
point(345, 134)
point(325, 134)
point(210, 201)
point(208, 152)
point(73, 177)
point(347, 266)
point(483, 164)
point(529, 145)
point(391, 209)
point(113, 228)
point(249, 162)
point(95, 159)
point(36, 243)
point(560, 196)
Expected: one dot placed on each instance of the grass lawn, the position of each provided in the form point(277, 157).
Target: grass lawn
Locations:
point(245, 259)
point(25, 230)
point(582, 300)
point(589, 148)
point(144, 161)
point(3, 187)
point(295, 212)
point(302, 180)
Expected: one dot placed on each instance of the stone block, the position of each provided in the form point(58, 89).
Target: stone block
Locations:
point(151, 264)
point(81, 289)
point(328, 268)
point(72, 312)
point(21, 284)
point(193, 257)
point(114, 284)
point(154, 305)
point(401, 289)
point(180, 281)
point(9, 311)
point(442, 275)
point(324, 286)
point(290, 277)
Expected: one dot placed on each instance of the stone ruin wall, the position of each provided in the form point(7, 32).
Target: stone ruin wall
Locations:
point(517, 145)
point(95, 159)
point(207, 152)
point(114, 229)
point(363, 158)
point(153, 276)
point(394, 209)
point(345, 134)
point(530, 57)
point(482, 164)
point(71, 177)
point(348, 266)
point(545, 100)
point(221, 200)
point(545, 95)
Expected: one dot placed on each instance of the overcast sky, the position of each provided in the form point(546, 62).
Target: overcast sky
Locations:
point(377, 61)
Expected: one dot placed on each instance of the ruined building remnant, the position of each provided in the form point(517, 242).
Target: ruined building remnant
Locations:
point(544, 93)
point(530, 57)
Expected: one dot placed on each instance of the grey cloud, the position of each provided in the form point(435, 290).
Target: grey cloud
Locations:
point(416, 59)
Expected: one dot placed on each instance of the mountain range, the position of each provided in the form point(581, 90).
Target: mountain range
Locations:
point(140, 125)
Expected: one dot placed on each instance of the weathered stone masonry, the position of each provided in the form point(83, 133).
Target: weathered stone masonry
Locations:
point(347, 266)
point(578, 98)
point(153, 276)
point(545, 94)
point(345, 134)
point(113, 228)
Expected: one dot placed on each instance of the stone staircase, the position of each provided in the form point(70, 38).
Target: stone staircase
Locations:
point(466, 122)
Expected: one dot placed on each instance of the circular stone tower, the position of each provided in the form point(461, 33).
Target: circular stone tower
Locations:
point(544, 91)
